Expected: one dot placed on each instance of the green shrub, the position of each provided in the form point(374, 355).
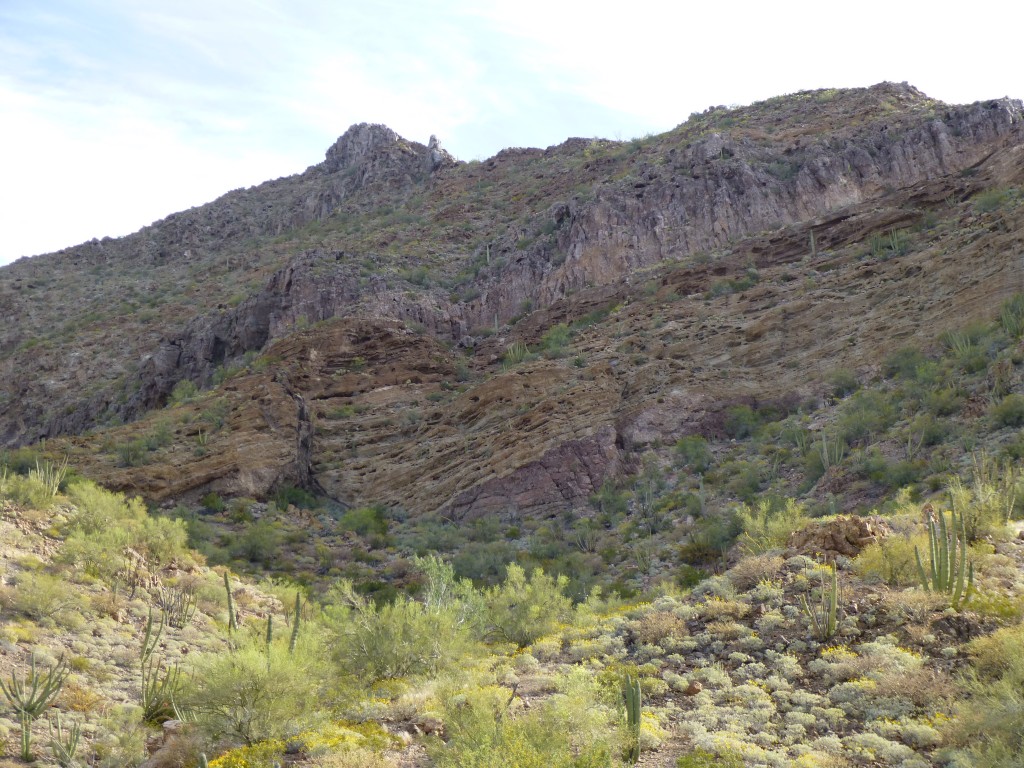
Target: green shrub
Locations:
point(576, 727)
point(524, 609)
point(1008, 412)
point(990, 724)
point(366, 521)
point(693, 453)
point(253, 693)
point(555, 340)
point(259, 543)
point(741, 421)
point(184, 391)
point(891, 560)
point(298, 497)
point(843, 382)
point(43, 597)
point(105, 524)
point(1011, 316)
point(866, 413)
point(904, 363)
point(395, 640)
point(769, 524)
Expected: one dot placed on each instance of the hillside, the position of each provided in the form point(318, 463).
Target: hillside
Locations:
point(747, 668)
point(636, 396)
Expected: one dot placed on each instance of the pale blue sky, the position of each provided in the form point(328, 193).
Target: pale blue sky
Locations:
point(115, 113)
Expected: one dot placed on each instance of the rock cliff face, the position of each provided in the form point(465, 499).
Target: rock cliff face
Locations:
point(720, 263)
point(690, 197)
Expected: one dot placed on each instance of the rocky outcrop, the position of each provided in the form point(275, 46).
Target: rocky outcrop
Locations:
point(846, 536)
point(565, 476)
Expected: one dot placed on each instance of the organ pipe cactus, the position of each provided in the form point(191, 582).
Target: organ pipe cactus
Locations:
point(633, 707)
point(949, 571)
point(825, 616)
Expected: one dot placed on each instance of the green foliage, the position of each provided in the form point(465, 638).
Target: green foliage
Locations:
point(987, 502)
point(990, 200)
point(824, 616)
point(904, 363)
point(248, 695)
point(741, 421)
point(1008, 412)
point(555, 340)
point(989, 727)
point(486, 727)
point(31, 695)
point(184, 391)
point(43, 597)
point(890, 561)
point(949, 570)
point(768, 524)
point(395, 640)
point(366, 521)
point(843, 382)
point(37, 487)
point(213, 502)
point(159, 685)
point(865, 414)
point(298, 497)
point(515, 353)
point(105, 525)
point(523, 609)
point(700, 758)
point(64, 744)
point(259, 543)
point(1011, 316)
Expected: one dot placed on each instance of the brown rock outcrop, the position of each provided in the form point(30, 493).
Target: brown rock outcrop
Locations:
point(845, 536)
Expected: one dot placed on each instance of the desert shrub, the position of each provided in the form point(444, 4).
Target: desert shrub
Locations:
point(253, 693)
point(904, 363)
point(366, 521)
point(43, 597)
point(1011, 316)
point(741, 421)
point(652, 628)
point(26, 491)
point(693, 453)
point(866, 413)
point(842, 382)
point(987, 502)
point(990, 200)
point(768, 524)
point(891, 560)
point(399, 639)
point(120, 740)
point(749, 571)
point(184, 391)
point(1008, 412)
point(105, 524)
point(944, 401)
point(298, 497)
point(486, 727)
point(555, 340)
point(523, 609)
point(743, 479)
point(990, 725)
point(259, 543)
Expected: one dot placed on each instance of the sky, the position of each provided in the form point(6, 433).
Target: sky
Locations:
point(117, 113)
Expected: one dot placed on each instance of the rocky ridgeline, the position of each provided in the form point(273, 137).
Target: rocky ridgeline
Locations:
point(728, 191)
point(689, 197)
